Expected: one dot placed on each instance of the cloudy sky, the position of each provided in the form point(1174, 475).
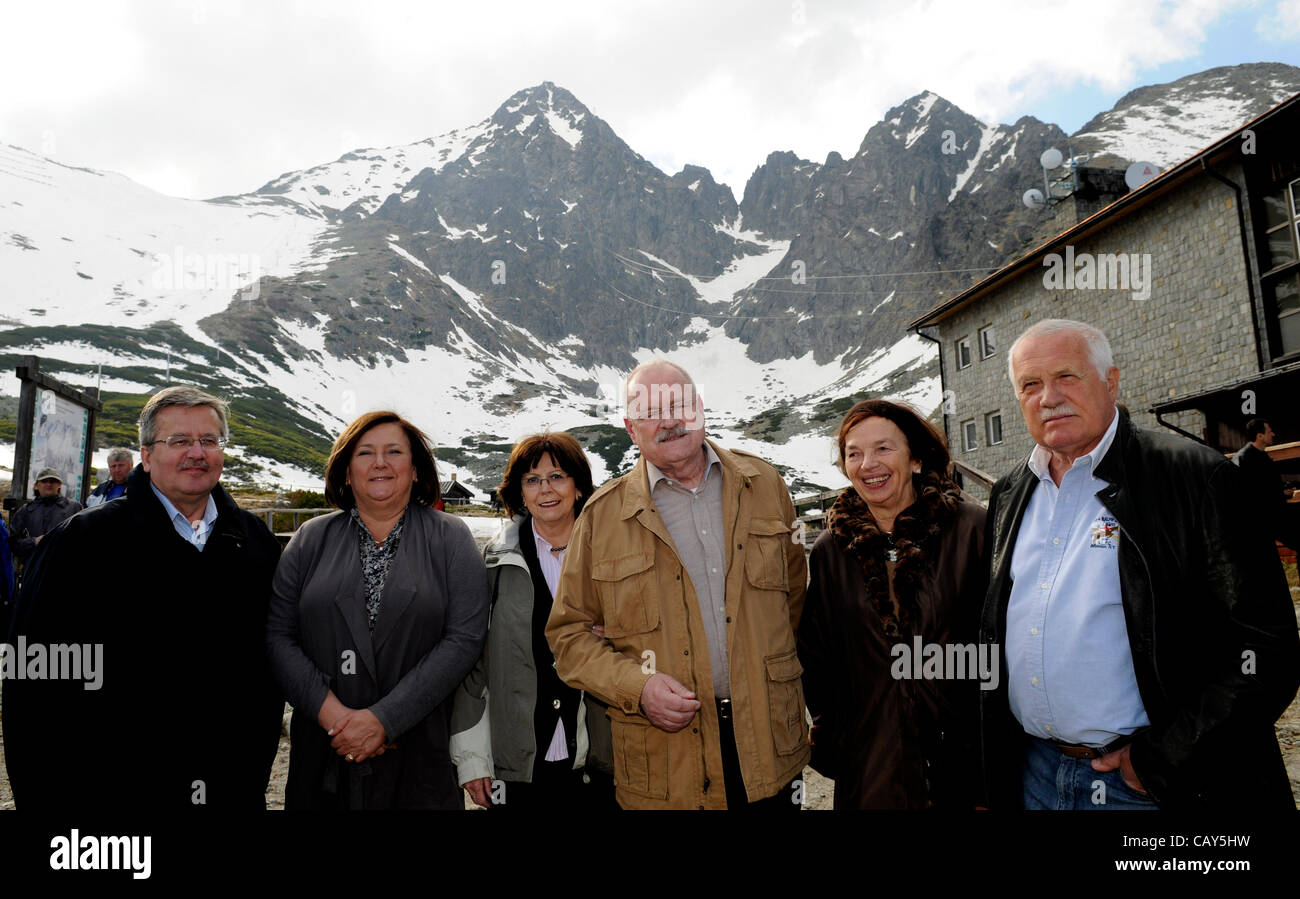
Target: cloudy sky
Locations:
point(202, 98)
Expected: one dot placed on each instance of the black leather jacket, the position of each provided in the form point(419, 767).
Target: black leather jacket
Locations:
point(1210, 625)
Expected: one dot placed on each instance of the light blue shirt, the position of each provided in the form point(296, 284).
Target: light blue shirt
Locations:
point(193, 532)
point(1069, 665)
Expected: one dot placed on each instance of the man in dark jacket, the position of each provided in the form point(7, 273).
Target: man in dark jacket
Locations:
point(1149, 639)
point(1261, 474)
point(166, 698)
point(36, 519)
point(119, 467)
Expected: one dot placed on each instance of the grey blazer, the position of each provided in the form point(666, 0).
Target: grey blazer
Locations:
point(429, 633)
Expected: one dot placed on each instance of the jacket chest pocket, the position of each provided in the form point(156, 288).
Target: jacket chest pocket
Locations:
point(765, 551)
point(785, 702)
point(628, 592)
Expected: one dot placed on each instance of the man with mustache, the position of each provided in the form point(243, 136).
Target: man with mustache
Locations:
point(1149, 640)
point(183, 712)
point(678, 605)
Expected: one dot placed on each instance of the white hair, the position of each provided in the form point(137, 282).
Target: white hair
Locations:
point(653, 363)
point(1099, 353)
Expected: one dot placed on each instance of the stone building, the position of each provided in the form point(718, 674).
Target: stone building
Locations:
point(1194, 277)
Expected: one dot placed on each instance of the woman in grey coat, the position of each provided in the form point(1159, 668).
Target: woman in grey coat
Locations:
point(522, 738)
point(379, 611)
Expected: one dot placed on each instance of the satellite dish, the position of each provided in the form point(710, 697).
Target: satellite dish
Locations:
point(1140, 173)
point(1051, 158)
point(1033, 198)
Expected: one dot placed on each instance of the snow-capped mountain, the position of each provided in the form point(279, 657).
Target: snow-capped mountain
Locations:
point(498, 279)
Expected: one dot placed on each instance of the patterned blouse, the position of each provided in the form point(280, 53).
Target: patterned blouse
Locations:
point(376, 559)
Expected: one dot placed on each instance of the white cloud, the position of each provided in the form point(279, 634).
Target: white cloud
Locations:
point(1283, 24)
point(210, 98)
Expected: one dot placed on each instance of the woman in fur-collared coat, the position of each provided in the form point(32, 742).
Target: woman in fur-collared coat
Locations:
point(900, 559)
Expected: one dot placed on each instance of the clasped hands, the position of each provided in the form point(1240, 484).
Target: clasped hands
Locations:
point(357, 734)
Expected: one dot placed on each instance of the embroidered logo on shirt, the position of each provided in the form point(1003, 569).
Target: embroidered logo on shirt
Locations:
point(1104, 532)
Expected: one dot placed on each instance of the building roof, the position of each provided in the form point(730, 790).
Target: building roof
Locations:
point(1197, 399)
point(455, 488)
point(1126, 205)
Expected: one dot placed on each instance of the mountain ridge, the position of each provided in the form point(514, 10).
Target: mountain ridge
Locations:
point(517, 265)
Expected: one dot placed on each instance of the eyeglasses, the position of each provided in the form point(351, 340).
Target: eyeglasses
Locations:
point(208, 442)
point(678, 410)
point(533, 482)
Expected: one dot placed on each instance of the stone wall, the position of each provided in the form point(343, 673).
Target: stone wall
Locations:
point(1192, 332)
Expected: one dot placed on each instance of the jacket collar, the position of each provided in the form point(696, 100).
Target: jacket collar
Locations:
point(1040, 458)
point(504, 549)
point(1111, 467)
point(636, 495)
point(149, 511)
point(916, 539)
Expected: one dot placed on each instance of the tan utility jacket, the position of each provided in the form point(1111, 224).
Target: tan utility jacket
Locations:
point(622, 572)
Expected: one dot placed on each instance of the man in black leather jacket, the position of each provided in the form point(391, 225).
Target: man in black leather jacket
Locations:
point(1211, 630)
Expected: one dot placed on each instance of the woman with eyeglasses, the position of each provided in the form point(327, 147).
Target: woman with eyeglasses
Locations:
point(522, 738)
point(379, 611)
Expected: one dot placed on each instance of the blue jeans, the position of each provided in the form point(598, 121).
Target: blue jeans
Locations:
point(1053, 780)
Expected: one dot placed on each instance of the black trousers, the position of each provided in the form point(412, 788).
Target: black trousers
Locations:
point(737, 798)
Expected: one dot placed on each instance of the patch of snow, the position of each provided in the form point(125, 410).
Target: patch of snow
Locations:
point(571, 135)
point(987, 136)
point(409, 258)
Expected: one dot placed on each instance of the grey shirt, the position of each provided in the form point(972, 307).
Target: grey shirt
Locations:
point(694, 521)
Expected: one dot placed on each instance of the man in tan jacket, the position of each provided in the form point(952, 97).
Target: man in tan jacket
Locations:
point(678, 605)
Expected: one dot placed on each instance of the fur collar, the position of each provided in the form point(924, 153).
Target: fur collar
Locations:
point(916, 535)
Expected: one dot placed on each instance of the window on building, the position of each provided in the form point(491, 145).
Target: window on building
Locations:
point(968, 436)
point(963, 352)
point(993, 428)
point(987, 346)
point(1280, 262)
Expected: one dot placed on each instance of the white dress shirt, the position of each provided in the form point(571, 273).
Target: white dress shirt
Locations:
point(1069, 665)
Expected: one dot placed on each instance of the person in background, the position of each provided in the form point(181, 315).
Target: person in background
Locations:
point(1264, 481)
point(544, 743)
point(6, 580)
point(39, 516)
point(380, 610)
point(119, 466)
point(902, 557)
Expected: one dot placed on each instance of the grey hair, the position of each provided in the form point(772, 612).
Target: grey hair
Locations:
point(180, 396)
point(120, 452)
point(651, 363)
point(1099, 353)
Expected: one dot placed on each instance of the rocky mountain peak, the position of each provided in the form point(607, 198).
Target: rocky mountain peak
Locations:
point(545, 107)
point(1164, 123)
